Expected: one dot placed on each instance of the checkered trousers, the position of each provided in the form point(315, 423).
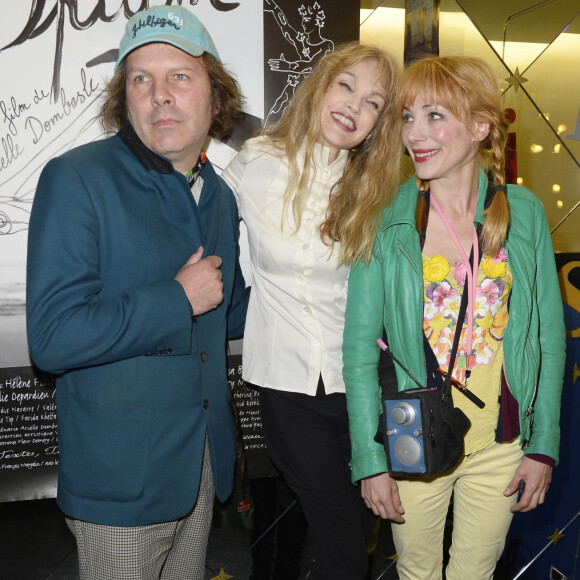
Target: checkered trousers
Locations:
point(173, 550)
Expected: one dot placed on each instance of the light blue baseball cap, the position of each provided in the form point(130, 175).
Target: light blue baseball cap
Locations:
point(171, 24)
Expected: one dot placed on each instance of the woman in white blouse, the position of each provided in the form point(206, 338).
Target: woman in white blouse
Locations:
point(311, 190)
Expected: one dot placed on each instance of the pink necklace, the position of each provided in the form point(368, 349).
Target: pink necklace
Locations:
point(471, 272)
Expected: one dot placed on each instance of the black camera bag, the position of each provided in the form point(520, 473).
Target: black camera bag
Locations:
point(443, 425)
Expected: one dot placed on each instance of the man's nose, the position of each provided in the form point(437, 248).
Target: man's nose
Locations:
point(162, 94)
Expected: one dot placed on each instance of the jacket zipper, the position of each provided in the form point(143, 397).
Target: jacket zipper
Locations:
point(528, 416)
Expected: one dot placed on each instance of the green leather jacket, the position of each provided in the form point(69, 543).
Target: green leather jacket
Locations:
point(389, 292)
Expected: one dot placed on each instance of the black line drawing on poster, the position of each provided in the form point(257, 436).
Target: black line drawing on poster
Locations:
point(69, 107)
point(36, 25)
point(308, 45)
point(15, 204)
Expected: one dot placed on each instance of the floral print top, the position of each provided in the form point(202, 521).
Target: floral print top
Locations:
point(443, 287)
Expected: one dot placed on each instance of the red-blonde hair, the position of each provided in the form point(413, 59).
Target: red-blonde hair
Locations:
point(468, 88)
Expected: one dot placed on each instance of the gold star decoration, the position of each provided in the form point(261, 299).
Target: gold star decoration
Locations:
point(556, 536)
point(516, 79)
point(222, 576)
point(574, 374)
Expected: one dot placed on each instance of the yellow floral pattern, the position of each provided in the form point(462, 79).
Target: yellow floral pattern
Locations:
point(442, 299)
point(493, 269)
point(436, 268)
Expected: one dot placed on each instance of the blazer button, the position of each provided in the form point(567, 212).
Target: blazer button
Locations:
point(168, 350)
point(158, 352)
point(203, 356)
point(205, 403)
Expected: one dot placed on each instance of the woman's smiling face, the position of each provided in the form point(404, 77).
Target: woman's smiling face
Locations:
point(439, 143)
point(352, 104)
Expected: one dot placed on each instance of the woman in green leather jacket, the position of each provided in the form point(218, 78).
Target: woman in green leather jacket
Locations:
point(512, 344)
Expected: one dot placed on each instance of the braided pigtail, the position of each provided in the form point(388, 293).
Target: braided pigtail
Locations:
point(421, 213)
point(497, 215)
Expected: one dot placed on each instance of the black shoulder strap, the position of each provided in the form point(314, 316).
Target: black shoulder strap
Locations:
point(457, 335)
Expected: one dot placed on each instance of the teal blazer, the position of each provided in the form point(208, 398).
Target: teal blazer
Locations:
point(139, 381)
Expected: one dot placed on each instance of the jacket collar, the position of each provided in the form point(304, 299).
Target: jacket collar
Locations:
point(402, 210)
point(149, 160)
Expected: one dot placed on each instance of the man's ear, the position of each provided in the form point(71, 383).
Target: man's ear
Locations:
point(216, 106)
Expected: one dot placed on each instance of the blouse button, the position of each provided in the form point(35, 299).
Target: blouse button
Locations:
point(307, 308)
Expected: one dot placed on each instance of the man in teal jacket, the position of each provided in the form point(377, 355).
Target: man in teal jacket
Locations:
point(134, 286)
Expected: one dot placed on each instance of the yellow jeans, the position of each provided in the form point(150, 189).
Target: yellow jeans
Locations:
point(481, 517)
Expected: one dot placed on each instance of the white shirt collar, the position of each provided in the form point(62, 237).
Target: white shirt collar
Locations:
point(320, 156)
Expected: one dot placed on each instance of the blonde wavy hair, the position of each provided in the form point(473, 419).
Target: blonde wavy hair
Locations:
point(468, 88)
point(372, 173)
